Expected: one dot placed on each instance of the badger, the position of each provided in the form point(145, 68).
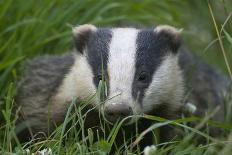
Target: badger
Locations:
point(146, 71)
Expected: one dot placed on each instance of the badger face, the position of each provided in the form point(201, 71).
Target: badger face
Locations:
point(140, 67)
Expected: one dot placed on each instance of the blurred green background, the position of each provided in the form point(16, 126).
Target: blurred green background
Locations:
point(29, 28)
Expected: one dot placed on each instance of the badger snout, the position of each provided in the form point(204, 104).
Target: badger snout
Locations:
point(117, 111)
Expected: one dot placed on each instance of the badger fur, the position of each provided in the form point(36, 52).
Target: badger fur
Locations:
point(146, 71)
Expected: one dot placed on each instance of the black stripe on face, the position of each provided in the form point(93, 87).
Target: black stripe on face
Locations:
point(97, 53)
point(150, 50)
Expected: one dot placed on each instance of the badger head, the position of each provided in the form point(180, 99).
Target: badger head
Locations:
point(140, 67)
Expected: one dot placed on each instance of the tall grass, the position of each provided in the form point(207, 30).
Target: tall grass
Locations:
point(30, 28)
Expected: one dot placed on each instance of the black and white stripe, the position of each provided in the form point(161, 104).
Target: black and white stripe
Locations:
point(97, 53)
point(125, 53)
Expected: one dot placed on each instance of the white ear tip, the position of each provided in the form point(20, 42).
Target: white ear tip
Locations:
point(83, 28)
point(168, 28)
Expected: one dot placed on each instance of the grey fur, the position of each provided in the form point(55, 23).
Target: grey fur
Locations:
point(42, 77)
point(205, 87)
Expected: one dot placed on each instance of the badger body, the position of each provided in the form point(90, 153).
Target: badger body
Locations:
point(144, 70)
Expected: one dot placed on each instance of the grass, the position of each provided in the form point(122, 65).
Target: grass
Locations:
point(31, 28)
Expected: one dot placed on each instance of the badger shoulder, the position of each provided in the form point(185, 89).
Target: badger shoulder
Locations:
point(40, 81)
point(42, 77)
point(205, 85)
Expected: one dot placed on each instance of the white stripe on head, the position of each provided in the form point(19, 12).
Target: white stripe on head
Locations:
point(121, 64)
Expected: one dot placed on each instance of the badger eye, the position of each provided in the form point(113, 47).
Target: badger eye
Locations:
point(143, 77)
point(99, 77)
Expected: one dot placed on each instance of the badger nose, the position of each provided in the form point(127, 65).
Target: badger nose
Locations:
point(117, 111)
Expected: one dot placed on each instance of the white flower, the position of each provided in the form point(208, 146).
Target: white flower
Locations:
point(190, 107)
point(150, 150)
point(46, 151)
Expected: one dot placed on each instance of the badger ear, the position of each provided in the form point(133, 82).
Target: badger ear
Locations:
point(171, 35)
point(81, 35)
